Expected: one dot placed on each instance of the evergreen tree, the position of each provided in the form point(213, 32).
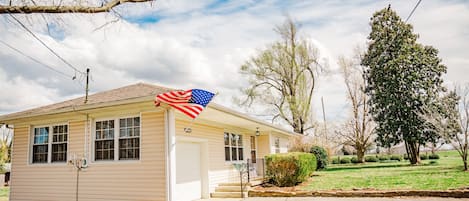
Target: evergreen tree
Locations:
point(403, 77)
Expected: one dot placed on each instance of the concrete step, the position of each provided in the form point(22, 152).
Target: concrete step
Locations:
point(230, 189)
point(228, 195)
point(233, 184)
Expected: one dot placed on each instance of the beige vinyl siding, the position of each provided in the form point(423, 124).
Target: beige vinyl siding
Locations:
point(263, 147)
point(219, 170)
point(144, 179)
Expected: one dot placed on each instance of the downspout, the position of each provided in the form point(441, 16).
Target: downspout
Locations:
point(170, 131)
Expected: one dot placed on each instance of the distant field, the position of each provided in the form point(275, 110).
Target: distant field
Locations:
point(445, 174)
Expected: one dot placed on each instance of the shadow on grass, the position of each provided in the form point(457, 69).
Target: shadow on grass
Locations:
point(332, 169)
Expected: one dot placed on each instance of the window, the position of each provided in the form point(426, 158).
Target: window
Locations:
point(59, 143)
point(42, 144)
point(129, 142)
point(120, 136)
point(104, 143)
point(277, 145)
point(233, 147)
point(253, 149)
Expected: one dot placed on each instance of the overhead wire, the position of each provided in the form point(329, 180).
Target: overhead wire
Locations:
point(45, 45)
point(35, 60)
point(413, 10)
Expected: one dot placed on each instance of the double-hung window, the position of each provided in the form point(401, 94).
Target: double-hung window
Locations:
point(117, 139)
point(277, 145)
point(233, 147)
point(50, 146)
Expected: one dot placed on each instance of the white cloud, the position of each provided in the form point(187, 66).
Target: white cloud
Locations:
point(202, 44)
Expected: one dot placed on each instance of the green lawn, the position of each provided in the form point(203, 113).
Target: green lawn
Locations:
point(4, 193)
point(445, 174)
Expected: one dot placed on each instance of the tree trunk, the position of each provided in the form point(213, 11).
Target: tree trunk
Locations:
point(361, 155)
point(464, 160)
point(413, 152)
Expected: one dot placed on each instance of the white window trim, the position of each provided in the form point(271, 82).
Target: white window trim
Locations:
point(49, 143)
point(243, 146)
point(116, 139)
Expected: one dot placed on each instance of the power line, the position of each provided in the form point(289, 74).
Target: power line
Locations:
point(35, 60)
point(413, 10)
point(45, 45)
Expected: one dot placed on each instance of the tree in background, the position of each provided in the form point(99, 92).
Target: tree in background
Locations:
point(6, 135)
point(402, 77)
point(283, 76)
point(450, 118)
point(357, 132)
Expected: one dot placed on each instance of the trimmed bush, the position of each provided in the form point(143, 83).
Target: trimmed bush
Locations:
point(406, 157)
point(335, 161)
point(424, 157)
point(321, 157)
point(344, 160)
point(396, 158)
point(383, 158)
point(354, 160)
point(289, 169)
point(434, 156)
point(371, 159)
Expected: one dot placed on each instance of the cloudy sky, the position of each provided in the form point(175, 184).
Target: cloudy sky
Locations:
point(201, 44)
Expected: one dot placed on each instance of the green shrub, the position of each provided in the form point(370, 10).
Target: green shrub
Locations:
point(406, 157)
point(396, 157)
point(354, 160)
point(335, 161)
point(371, 159)
point(344, 160)
point(434, 156)
point(289, 169)
point(424, 157)
point(383, 158)
point(321, 157)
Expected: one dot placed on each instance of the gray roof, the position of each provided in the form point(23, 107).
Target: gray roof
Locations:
point(120, 94)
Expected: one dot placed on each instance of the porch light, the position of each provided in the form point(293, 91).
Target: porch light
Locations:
point(257, 131)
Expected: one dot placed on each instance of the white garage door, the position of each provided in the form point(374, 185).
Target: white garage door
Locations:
point(188, 177)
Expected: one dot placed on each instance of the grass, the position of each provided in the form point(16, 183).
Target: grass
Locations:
point(445, 174)
point(4, 191)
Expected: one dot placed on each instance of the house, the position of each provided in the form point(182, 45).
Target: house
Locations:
point(130, 149)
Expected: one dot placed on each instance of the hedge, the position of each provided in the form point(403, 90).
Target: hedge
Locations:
point(321, 157)
point(289, 169)
point(345, 160)
point(371, 159)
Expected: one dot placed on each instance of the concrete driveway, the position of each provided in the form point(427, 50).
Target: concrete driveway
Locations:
point(338, 199)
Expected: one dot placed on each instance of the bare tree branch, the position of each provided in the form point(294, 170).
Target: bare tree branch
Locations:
point(27, 9)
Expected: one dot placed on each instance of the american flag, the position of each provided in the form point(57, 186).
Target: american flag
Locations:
point(191, 102)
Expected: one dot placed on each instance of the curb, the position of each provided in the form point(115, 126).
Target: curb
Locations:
point(365, 193)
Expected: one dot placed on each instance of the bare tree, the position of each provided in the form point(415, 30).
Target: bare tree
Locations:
point(63, 6)
point(357, 131)
point(450, 118)
point(283, 76)
point(5, 144)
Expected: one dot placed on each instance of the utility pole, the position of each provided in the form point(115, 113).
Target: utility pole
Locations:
point(87, 84)
point(324, 117)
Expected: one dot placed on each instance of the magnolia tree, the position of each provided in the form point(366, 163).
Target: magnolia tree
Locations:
point(402, 77)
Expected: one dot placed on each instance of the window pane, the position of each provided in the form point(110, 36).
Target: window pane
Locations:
point(59, 152)
point(233, 140)
point(240, 154)
point(137, 131)
point(41, 135)
point(227, 154)
point(122, 123)
point(227, 139)
point(104, 150)
point(129, 149)
point(98, 125)
point(240, 140)
point(137, 121)
point(234, 155)
point(130, 122)
point(40, 153)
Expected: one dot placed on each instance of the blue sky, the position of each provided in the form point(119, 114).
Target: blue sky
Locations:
point(202, 44)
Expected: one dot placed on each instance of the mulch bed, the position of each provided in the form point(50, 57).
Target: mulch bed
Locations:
point(262, 191)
